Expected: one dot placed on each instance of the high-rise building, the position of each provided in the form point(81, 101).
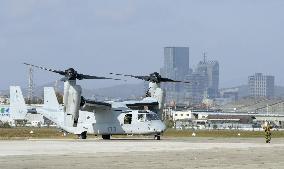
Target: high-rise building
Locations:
point(176, 66)
point(205, 80)
point(176, 62)
point(260, 85)
point(195, 91)
point(210, 69)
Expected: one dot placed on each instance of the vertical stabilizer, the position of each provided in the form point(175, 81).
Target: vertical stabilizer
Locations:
point(18, 107)
point(50, 99)
point(51, 108)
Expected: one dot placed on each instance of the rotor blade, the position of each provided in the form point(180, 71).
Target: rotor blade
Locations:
point(146, 78)
point(82, 76)
point(119, 74)
point(171, 80)
point(43, 68)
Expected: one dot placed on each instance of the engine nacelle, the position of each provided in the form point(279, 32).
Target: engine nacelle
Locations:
point(72, 101)
point(156, 92)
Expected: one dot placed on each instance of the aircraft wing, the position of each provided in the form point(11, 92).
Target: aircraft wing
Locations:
point(95, 106)
point(141, 104)
point(138, 104)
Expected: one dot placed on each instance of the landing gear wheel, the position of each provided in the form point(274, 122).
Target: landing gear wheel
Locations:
point(157, 137)
point(106, 137)
point(83, 135)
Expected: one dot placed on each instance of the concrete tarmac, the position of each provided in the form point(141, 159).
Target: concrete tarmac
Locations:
point(169, 153)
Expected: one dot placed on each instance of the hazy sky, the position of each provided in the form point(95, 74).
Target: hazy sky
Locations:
point(128, 36)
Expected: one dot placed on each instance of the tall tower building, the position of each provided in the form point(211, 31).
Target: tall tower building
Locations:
point(195, 91)
point(176, 62)
point(260, 85)
point(210, 69)
point(205, 80)
point(176, 66)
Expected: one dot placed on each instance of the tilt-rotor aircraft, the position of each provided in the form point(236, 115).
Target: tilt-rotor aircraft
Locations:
point(81, 116)
point(154, 90)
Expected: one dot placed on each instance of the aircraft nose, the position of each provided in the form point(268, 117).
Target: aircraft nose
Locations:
point(161, 127)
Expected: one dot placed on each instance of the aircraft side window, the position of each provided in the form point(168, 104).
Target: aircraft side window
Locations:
point(128, 119)
point(141, 117)
point(150, 117)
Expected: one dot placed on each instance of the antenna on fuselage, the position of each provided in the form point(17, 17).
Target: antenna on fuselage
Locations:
point(30, 84)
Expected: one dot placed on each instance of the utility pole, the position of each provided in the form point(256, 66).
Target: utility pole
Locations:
point(204, 57)
point(30, 84)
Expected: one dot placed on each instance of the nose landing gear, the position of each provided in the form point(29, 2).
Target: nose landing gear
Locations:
point(157, 137)
point(83, 135)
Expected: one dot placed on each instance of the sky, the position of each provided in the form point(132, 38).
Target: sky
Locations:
point(127, 36)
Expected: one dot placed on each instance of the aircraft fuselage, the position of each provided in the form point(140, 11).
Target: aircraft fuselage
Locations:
point(119, 122)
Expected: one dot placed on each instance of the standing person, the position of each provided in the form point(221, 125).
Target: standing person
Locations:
point(267, 129)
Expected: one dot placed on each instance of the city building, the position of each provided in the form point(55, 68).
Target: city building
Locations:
point(205, 78)
point(205, 82)
point(176, 66)
point(232, 93)
point(196, 90)
point(225, 120)
point(181, 115)
point(210, 69)
point(261, 85)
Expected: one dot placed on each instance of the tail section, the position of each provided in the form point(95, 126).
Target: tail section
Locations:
point(50, 99)
point(54, 111)
point(18, 107)
point(51, 108)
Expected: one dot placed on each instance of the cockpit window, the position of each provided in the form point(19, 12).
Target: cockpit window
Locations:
point(143, 111)
point(141, 117)
point(128, 119)
point(150, 117)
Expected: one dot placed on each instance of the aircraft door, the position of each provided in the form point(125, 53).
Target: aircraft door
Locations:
point(128, 119)
point(141, 118)
point(127, 123)
point(143, 125)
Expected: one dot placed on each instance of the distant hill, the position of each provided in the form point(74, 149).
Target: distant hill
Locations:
point(38, 91)
point(279, 91)
point(244, 91)
point(127, 91)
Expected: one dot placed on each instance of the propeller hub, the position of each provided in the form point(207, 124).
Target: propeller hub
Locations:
point(155, 77)
point(71, 74)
